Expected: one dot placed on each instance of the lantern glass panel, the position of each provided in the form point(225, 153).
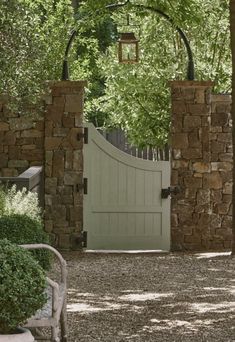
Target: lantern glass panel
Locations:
point(129, 52)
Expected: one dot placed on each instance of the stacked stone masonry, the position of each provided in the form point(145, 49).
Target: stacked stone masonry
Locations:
point(201, 162)
point(64, 164)
point(21, 141)
point(202, 167)
point(51, 140)
point(221, 168)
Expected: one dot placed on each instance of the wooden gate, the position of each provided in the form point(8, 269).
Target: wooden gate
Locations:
point(123, 207)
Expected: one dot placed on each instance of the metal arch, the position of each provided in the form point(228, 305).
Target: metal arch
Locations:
point(190, 70)
point(65, 70)
point(114, 6)
point(73, 34)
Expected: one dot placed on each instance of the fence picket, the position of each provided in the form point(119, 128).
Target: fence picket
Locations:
point(117, 138)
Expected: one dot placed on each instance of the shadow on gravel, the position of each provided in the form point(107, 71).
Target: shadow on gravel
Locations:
point(151, 298)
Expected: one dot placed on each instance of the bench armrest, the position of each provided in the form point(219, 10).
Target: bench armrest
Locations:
point(62, 262)
point(55, 296)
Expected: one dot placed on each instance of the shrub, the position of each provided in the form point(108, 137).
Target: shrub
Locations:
point(22, 284)
point(19, 202)
point(21, 229)
point(2, 202)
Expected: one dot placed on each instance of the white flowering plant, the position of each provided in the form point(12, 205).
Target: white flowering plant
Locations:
point(21, 221)
point(20, 202)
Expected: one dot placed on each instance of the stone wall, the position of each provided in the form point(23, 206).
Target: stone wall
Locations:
point(51, 141)
point(21, 141)
point(201, 162)
point(201, 166)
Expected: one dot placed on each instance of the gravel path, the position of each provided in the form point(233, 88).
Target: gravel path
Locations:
point(147, 297)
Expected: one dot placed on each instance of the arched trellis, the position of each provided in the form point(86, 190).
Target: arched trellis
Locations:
point(190, 68)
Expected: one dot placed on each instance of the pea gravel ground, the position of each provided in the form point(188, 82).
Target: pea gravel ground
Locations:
point(151, 297)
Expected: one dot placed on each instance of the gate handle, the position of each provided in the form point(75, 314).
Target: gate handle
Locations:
point(171, 190)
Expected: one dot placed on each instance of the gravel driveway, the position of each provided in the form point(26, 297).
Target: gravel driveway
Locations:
point(151, 297)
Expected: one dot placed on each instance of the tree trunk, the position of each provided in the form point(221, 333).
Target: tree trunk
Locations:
point(232, 31)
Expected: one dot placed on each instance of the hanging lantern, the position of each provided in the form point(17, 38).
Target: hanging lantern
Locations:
point(128, 48)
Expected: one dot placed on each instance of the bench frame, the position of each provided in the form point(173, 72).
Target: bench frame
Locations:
point(58, 320)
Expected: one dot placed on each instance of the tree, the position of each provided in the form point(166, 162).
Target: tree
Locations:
point(137, 97)
point(33, 36)
point(232, 30)
point(93, 40)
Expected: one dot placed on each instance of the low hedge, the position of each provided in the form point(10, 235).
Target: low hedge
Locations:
point(21, 229)
point(22, 285)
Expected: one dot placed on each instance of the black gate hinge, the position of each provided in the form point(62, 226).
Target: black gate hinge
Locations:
point(83, 186)
point(84, 239)
point(79, 240)
point(83, 135)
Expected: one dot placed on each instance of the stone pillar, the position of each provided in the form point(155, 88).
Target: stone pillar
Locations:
point(64, 164)
point(191, 169)
point(221, 165)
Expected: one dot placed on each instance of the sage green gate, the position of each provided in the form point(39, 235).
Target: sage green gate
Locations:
point(123, 208)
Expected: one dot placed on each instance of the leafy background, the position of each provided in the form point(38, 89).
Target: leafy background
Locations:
point(134, 97)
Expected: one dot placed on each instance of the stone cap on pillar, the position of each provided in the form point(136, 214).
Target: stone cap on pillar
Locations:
point(191, 84)
point(66, 84)
point(66, 87)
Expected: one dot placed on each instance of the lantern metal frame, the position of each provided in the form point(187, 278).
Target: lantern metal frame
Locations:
point(190, 67)
point(128, 38)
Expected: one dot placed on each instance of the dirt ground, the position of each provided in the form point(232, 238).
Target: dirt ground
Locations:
point(151, 297)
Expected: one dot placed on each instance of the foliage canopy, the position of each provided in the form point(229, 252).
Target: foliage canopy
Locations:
point(137, 97)
point(34, 35)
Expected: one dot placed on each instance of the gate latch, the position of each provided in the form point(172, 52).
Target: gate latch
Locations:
point(171, 190)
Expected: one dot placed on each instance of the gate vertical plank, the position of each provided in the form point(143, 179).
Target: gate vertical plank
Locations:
point(113, 190)
point(140, 187)
point(122, 184)
point(105, 179)
point(131, 185)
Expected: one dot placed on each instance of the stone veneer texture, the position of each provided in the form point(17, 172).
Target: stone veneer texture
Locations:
point(201, 166)
point(21, 141)
point(52, 141)
point(64, 164)
point(201, 162)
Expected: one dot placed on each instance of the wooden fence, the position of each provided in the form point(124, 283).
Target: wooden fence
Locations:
point(117, 138)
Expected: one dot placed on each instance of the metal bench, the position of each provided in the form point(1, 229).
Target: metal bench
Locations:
point(53, 314)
